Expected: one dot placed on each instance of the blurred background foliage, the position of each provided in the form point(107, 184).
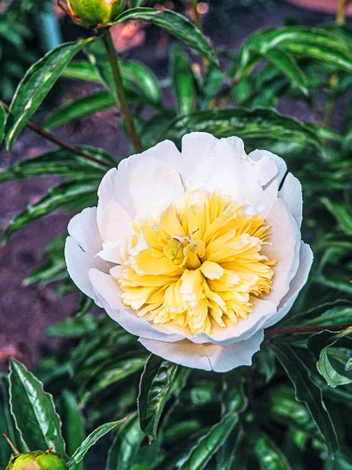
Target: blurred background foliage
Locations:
point(289, 408)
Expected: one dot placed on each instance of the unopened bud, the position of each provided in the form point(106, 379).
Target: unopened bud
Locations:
point(37, 460)
point(93, 13)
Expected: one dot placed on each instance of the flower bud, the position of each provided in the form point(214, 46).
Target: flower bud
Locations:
point(37, 460)
point(94, 13)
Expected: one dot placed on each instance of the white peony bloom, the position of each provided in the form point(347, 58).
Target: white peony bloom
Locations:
point(195, 252)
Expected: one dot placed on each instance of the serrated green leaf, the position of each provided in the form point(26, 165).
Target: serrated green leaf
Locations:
point(36, 84)
point(123, 450)
point(59, 196)
point(60, 162)
point(80, 108)
point(73, 425)
point(210, 443)
point(320, 344)
point(258, 123)
point(175, 24)
point(269, 456)
point(307, 392)
point(34, 411)
point(3, 117)
point(155, 388)
point(182, 80)
point(288, 66)
point(92, 439)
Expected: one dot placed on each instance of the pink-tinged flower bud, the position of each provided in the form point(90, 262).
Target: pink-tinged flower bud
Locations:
point(37, 460)
point(94, 13)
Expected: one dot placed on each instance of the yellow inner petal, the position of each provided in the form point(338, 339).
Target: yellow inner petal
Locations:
point(196, 263)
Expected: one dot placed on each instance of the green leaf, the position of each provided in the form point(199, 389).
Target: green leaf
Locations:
point(73, 327)
point(155, 389)
point(286, 410)
point(307, 392)
point(182, 79)
point(36, 84)
point(113, 373)
point(80, 108)
point(92, 439)
point(288, 66)
point(124, 449)
point(81, 70)
point(268, 454)
point(3, 117)
point(60, 162)
point(62, 195)
point(34, 411)
point(140, 76)
point(140, 84)
point(233, 399)
point(255, 123)
point(341, 212)
point(228, 451)
point(210, 443)
point(73, 424)
point(317, 44)
point(320, 344)
point(175, 24)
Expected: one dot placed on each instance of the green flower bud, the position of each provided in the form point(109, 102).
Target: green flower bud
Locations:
point(94, 13)
point(37, 460)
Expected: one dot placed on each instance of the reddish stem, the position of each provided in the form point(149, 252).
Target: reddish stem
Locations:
point(306, 329)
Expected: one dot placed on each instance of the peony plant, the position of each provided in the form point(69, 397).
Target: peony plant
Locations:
point(194, 248)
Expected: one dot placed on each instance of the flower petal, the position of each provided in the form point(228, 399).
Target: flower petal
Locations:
point(291, 193)
point(284, 249)
point(81, 248)
point(108, 292)
point(140, 183)
point(280, 163)
point(244, 329)
point(305, 263)
point(207, 356)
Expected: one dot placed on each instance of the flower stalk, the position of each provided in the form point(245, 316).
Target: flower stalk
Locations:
point(115, 67)
point(53, 139)
point(306, 329)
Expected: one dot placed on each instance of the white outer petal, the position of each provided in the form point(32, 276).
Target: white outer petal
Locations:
point(285, 241)
point(108, 292)
point(256, 155)
point(81, 248)
point(305, 260)
point(140, 182)
point(291, 193)
point(207, 356)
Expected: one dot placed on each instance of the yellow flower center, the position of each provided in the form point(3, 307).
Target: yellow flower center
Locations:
point(196, 263)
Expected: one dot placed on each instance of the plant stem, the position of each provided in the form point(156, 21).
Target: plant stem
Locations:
point(16, 451)
point(52, 138)
point(306, 329)
point(341, 11)
point(197, 18)
point(115, 67)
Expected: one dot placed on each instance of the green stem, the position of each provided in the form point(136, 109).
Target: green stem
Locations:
point(52, 138)
point(306, 329)
point(115, 67)
point(197, 18)
point(341, 11)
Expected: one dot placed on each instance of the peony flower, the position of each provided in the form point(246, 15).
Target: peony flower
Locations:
point(195, 252)
point(93, 13)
